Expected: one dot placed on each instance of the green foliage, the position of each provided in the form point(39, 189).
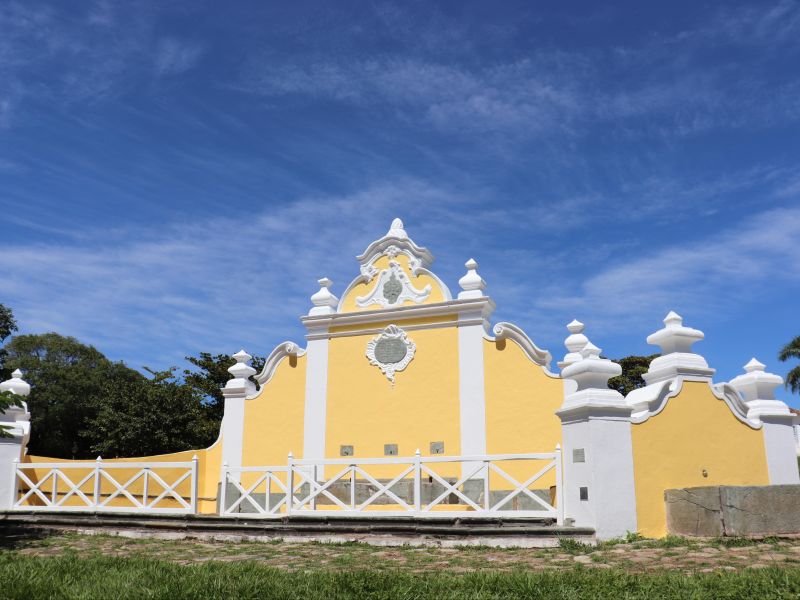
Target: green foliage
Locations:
point(792, 350)
point(137, 416)
point(8, 325)
point(126, 578)
point(210, 377)
point(633, 367)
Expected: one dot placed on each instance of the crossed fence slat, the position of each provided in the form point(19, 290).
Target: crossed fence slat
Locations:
point(301, 473)
point(121, 497)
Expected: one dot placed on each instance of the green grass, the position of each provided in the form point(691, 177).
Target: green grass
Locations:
point(70, 576)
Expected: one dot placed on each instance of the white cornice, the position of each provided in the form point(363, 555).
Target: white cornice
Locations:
point(482, 306)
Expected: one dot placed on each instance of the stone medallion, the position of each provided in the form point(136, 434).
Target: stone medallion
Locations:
point(391, 351)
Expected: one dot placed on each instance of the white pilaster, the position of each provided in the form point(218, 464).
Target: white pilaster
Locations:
point(757, 387)
point(471, 389)
point(12, 449)
point(235, 392)
point(316, 401)
point(598, 453)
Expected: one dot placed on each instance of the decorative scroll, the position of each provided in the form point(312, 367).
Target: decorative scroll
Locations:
point(392, 288)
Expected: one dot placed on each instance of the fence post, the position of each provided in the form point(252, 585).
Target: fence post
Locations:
point(417, 483)
point(487, 493)
point(289, 483)
point(223, 490)
point(352, 487)
point(96, 493)
point(194, 484)
point(14, 482)
point(145, 485)
point(559, 486)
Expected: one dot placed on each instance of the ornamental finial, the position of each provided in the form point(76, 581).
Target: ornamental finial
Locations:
point(575, 342)
point(324, 301)
point(472, 283)
point(397, 229)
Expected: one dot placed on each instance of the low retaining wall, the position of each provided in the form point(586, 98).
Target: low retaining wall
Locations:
point(733, 511)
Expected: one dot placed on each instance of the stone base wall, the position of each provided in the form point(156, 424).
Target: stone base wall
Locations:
point(733, 511)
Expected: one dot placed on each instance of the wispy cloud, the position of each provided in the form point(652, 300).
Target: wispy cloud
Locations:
point(174, 56)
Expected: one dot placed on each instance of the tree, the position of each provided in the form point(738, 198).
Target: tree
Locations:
point(792, 350)
point(8, 325)
point(65, 375)
point(633, 367)
point(137, 416)
point(211, 377)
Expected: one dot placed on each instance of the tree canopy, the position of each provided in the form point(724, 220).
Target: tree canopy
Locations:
point(633, 367)
point(82, 404)
point(792, 350)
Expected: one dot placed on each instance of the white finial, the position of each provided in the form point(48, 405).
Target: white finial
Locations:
point(677, 358)
point(241, 369)
point(590, 371)
point(16, 385)
point(575, 342)
point(397, 230)
point(472, 283)
point(754, 365)
point(324, 301)
point(757, 388)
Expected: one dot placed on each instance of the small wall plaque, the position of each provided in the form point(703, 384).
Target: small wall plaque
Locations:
point(437, 447)
point(584, 493)
point(578, 455)
point(346, 451)
point(390, 449)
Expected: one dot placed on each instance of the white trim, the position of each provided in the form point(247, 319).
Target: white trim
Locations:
point(471, 389)
point(316, 399)
point(779, 446)
point(377, 330)
point(401, 313)
point(280, 352)
point(509, 331)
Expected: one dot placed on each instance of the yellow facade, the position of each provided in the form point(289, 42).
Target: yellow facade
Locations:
point(696, 433)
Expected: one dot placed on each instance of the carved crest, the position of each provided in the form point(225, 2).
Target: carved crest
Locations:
point(391, 351)
point(392, 288)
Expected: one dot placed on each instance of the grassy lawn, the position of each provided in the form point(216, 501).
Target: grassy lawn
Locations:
point(72, 566)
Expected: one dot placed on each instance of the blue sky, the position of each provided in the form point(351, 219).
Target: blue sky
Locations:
point(175, 176)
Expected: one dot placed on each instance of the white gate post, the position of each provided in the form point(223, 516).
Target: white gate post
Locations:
point(598, 454)
point(238, 388)
point(12, 449)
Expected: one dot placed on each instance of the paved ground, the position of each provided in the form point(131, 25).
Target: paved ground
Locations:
point(633, 556)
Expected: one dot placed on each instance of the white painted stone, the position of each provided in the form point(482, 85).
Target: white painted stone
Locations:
point(316, 400)
point(677, 358)
point(324, 301)
point(235, 392)
point(757, 388)
point(596, 420)
point(12, 449)
point(472, 284)
point(471, 389)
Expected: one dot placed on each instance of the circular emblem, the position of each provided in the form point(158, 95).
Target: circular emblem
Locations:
point(390, 350)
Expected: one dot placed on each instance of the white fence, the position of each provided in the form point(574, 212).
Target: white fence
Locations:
point(98, 486)
point(416, 487)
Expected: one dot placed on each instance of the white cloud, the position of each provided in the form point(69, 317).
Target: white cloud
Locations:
point(174, 56)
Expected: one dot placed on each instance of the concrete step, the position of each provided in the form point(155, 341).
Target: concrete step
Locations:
point(396, 531)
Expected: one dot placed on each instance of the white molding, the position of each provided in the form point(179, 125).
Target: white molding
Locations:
point(652, 399)
point(321, 323)
point(280, 352)
point(407, 290)
point(508, 331)
point(392, 332)
point(377, 330)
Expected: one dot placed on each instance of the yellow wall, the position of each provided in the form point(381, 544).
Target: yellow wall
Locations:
point(419, 283)
point(521, 400)
point(273, 420)
point(695, 431)
point(364, 409)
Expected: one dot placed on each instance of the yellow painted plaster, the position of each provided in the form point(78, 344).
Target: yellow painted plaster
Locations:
point(521, 400)
point(362, 289)
point(273, 420)
point(366, 411)
point(695, 431)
